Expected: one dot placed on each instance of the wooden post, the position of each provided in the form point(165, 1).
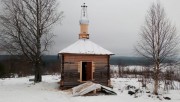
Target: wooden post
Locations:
point(108, 72)
point(94, 92)
point(62, 71)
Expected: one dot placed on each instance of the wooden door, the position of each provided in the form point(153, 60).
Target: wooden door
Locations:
point(89, 71)
point(86, 71)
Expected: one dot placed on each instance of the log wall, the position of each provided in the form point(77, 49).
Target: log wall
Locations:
point(72, 64)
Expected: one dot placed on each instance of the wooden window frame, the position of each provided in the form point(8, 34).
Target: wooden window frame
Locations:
point(80, 70)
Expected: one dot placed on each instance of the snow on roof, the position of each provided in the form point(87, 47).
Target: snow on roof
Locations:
point(85, 46)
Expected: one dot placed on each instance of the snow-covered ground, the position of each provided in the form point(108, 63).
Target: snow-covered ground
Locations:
point(21, 90)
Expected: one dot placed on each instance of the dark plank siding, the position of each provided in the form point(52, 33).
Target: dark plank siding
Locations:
point(71, 74)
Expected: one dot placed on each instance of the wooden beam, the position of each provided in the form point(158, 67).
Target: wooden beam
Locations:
point(62, 71)
point(108, 72)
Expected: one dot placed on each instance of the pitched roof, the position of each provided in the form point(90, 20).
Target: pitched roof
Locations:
point(85, 46)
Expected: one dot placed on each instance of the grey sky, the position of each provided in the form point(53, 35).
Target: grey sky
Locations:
point(114, 24)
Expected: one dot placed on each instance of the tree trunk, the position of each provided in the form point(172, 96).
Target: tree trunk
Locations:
point(156, 79)
point(156, 86)
point(38, 74)
point(38, 77)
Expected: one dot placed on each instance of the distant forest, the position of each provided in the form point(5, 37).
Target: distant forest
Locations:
point(51, 64)
point(124, 60)
point(115, 60)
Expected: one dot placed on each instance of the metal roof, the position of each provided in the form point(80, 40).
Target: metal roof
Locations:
point(85, 46)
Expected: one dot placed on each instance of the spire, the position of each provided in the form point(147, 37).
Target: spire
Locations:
point(84, 16)
point(84, 22)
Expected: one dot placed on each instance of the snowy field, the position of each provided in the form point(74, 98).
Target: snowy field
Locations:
point(21, 90)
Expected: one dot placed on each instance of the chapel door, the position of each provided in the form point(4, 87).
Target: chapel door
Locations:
point(86, 71)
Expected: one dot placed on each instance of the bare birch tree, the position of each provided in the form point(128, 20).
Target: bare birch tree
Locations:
point(159, 40)
point(26, 29)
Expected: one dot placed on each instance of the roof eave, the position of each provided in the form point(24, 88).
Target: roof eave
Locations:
point(84, 53)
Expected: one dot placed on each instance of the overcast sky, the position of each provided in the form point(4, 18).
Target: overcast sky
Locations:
point(114, 24)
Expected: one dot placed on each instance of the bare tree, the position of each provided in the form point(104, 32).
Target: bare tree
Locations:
point(159, 40)
point(26, 29)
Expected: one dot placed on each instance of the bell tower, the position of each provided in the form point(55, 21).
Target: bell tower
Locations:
point(84, 22)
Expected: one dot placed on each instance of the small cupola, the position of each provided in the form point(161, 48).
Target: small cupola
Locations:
point(84, 22)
